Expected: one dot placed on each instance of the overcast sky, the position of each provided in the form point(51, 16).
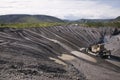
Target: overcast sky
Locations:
point(65, 9)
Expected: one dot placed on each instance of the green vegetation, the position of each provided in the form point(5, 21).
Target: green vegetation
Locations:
point(50, 24)
point(31, 25)
point(101, 24)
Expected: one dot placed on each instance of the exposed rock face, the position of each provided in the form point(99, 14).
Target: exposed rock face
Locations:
point(54, 53)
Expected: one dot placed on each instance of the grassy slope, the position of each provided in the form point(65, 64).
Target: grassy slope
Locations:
point(28, 25)
point(25, 21)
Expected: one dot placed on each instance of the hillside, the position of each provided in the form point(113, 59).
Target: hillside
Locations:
point(118, 18)
point(27, 18)
point(94, 20)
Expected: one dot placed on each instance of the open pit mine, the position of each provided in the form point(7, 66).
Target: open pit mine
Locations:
point(60, 53)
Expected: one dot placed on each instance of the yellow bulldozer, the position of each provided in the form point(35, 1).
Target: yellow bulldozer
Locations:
point(99, 50)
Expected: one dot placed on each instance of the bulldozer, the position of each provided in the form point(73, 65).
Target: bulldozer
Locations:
point(99, 50)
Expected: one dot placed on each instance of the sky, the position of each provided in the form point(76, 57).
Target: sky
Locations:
point(64, 9)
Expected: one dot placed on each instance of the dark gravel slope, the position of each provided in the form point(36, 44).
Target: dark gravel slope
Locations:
point(54, 53)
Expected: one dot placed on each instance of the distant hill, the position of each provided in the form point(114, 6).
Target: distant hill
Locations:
point(99, 20)
point(118, 18)
point(94, 20)
point(28, 18)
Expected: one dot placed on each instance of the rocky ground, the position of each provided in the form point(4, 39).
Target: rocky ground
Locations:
point(54, 53)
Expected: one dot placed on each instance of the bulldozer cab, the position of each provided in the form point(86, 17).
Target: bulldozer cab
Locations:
point(97, 48)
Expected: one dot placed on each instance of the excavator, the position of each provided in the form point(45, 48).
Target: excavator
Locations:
point(99, 50)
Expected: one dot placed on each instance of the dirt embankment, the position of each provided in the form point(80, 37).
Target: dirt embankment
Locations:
point(54, 53)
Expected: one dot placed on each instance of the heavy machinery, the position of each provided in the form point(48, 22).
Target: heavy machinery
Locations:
point(99, 50)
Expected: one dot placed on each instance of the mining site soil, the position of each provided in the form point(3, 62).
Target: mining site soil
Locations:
point(55, 53)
